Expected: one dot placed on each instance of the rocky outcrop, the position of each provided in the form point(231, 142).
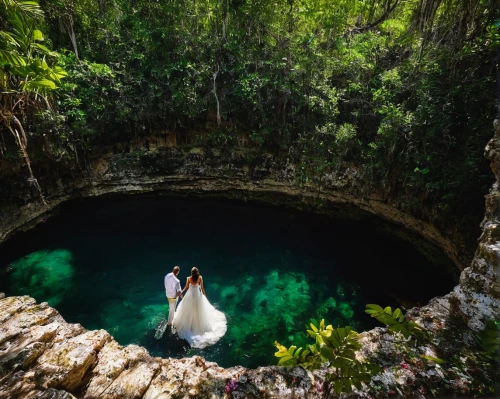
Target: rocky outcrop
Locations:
point(484, 273)
point(41, 356)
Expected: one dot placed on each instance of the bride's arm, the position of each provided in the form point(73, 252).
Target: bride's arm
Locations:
point(187, 285)
point(202, 288)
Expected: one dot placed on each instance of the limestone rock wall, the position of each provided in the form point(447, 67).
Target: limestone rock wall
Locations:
point(484, 273)
point(233, 175)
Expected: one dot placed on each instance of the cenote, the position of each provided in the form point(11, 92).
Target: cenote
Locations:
point(101, 263)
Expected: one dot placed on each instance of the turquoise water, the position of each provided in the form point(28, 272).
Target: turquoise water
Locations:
point(101, 263)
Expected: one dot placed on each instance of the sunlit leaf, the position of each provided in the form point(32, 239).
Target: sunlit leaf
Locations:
point(37, 35)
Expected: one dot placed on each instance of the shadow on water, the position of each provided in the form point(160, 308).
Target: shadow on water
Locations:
point(271, 270)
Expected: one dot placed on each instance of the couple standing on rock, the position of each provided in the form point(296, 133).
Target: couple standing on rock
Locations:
point(195, 319)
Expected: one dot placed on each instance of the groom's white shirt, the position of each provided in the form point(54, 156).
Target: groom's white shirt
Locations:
point(172, 285)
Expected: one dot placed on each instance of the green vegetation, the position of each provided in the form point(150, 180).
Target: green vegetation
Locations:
point(396, 321)
point(489, 339)
point(335, 347)
point(27, 74)
point(465, 368)
point(402, 90)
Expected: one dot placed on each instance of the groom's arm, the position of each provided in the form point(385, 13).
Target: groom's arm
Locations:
point(178, 288)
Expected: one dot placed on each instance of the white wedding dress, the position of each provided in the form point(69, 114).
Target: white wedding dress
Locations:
point(197, 321)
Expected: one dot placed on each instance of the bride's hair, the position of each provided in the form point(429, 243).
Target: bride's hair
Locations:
point(195, 274)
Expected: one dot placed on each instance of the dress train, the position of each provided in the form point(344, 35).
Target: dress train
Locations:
point(197, 321)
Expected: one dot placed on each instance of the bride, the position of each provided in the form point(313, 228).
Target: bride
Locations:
point(196, 320)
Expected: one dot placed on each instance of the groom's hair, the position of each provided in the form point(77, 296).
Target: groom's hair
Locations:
point(176, 270)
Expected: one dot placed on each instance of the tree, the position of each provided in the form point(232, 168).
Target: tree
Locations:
point(25, 75)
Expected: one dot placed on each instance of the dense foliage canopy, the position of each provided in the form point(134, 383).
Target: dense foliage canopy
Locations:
point(401, 89)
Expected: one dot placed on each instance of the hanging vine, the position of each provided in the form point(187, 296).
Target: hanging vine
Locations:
point(26, 78)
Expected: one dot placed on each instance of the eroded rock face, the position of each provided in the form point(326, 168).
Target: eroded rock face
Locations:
point(199, 172)
point(44, 357)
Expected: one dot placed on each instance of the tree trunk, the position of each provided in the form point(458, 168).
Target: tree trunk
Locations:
point(72, 35)
point(216, 98)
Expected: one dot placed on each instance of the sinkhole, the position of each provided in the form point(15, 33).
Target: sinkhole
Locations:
point(271, 270)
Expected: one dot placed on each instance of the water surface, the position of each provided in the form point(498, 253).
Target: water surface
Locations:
point(101, 263)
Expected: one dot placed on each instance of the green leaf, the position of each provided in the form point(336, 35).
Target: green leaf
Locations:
point(347, 386)
point(287, 361)
point(432, 359)
point(337, 387)
point(37, 35)
point(327, 353)
point(12, 58)
point(326, 333)
point(335, 340)
point(41, 47)
point(9, 38)
point(43, 83)
point(375, 307)
point(282, 351)
point(312, 334)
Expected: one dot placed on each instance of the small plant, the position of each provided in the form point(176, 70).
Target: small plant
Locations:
point(489, 338)
point(397, 322)
point(335, 348)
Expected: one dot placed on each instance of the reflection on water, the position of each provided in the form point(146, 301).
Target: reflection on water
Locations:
point(270, 271)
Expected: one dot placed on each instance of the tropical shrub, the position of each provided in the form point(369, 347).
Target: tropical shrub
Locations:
point(28, 72)
point(334, 348)
point(397, 322)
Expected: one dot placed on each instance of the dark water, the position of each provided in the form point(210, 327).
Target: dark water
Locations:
point(101, 263)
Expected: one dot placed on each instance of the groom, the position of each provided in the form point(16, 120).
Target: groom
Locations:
point(173, 290)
